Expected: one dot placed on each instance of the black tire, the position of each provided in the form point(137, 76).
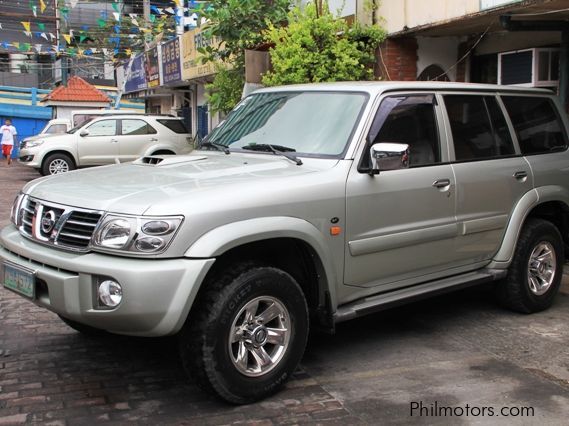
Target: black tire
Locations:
point(164, 152)
point(515, 292)
point(82, 328)
point(205, 349)
point(64, 161)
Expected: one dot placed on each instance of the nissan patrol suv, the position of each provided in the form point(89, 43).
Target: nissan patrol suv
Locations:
point(308, 206)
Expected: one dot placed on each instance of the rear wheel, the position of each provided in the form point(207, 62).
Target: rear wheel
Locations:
point(536, 270)
point(247, 335)
point(164, 152)
point(57, 163)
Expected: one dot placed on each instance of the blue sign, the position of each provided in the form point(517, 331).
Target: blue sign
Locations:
point(171, 63)
point(136, 79)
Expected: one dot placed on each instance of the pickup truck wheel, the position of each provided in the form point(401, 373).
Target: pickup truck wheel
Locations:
point(57, 163)
point(247, 335)
point(536, 271)
point(82, 328)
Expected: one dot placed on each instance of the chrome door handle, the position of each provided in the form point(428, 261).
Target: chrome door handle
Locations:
point(114, 140)
point(153, 140)
point(441, 183)
point(520, 175)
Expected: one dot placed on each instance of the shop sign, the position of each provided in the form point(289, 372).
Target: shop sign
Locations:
point(490, 4)
point(136, 80)
point(192, 67)
point(152, 67)
point(171, 64)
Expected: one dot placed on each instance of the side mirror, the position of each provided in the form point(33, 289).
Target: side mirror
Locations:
point(388, 156)
point(84, 132)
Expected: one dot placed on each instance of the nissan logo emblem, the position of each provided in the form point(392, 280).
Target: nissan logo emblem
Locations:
point(48, 222)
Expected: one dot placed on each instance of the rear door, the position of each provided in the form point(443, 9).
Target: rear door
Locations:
point(101, 145)
point(136, 136)
point(491, 175)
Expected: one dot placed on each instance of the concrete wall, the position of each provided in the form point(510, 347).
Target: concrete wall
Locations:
point(399, 14)
point(441, 51)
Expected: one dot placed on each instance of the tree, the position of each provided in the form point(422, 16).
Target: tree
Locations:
point(315, 46)
point(240, 24)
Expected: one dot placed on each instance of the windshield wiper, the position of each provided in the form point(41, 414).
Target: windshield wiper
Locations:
point(275, 149)
point(217, 146)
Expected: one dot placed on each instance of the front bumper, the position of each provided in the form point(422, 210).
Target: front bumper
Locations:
point(30, 157)
point(157, 293)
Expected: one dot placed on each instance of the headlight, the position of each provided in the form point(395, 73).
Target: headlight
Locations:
point(143, 235)
point(14, 212)
point(32, 144)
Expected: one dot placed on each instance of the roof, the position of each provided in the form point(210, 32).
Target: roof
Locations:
point(374, 87)
point(77, 90)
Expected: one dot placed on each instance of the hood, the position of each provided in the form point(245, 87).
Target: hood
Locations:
point(43, 136)
point(133, 188)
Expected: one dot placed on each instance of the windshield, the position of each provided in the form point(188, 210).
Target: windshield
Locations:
point(311, 123)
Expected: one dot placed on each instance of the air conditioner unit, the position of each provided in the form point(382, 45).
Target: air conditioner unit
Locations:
point(536, 67)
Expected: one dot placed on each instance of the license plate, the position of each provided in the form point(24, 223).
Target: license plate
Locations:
point(19, 280)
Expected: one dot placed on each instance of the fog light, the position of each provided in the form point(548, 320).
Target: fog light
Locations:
point(110, 293)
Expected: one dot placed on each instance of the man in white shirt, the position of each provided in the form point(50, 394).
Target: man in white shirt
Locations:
point(8, 138)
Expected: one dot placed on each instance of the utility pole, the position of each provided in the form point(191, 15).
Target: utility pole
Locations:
point(60, 26)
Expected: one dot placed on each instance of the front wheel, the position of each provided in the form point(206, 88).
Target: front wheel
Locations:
point(57, 163)
point(247, 335)
point(535, 274)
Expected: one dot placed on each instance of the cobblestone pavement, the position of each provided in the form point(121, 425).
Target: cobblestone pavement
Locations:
point(454, 351)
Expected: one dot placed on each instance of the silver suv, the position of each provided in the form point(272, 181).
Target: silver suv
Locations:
point(106, 140)
point(308, 206)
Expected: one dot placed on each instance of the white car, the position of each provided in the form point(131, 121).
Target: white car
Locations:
point(106, 140)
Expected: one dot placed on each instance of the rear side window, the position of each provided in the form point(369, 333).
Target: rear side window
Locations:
point(479, 129)
point(537, 124)
point(177, 126)
point(136, 127)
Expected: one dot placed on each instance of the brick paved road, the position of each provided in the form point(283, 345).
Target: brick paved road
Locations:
point(456, 350)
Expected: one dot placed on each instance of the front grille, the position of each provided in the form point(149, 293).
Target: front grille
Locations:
point(29, 210)
point(57, 225)
point(78, 229)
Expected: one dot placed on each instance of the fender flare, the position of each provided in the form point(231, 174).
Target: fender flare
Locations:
point(523, 208)
point(226, 237)
point(159, 147)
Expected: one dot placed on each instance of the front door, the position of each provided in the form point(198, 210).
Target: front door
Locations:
point(401, 223)
point(100, 146)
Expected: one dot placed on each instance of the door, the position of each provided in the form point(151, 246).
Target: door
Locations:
point(136, 137)
point(400, 224)
point(490, 174)
point(100, 146)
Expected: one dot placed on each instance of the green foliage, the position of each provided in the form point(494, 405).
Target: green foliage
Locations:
point(317, 47)
point(225, 91)
point(240, 25)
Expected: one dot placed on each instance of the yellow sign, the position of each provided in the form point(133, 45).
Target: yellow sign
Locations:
point(192, 67)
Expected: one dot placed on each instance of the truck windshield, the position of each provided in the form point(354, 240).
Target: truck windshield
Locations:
point(309, 123)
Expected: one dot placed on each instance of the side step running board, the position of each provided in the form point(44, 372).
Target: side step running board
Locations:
point(391, 299)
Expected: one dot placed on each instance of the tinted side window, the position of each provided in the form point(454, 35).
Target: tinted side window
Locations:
point(56, 129)
point(408, 120)
point(136, 127)
point(537, 124)
point(479, 129)
point(177, 126)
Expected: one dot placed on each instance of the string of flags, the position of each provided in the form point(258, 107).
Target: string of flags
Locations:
point(41, 40)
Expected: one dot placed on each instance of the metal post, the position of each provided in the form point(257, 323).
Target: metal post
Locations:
point(564, 69)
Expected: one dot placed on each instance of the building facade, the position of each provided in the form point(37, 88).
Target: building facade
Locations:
point(516, 42)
